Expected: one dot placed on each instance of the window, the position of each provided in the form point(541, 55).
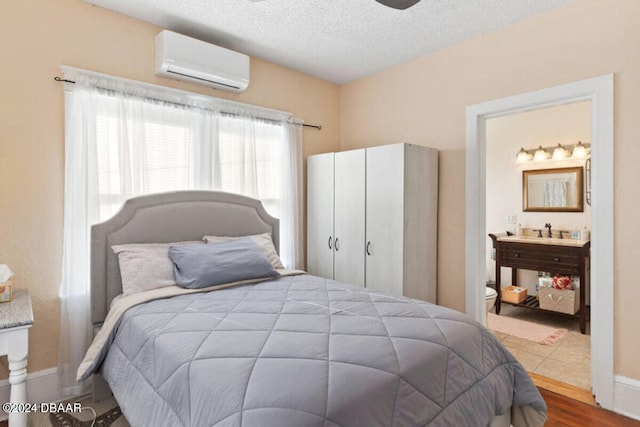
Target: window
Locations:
point(124, 139)
point(158, 150)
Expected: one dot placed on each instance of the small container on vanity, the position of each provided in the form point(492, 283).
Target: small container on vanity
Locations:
point(5, 291)
point(5, 283)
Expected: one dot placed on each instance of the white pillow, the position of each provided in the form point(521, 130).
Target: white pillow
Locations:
point(146, 266)
point(263, 241)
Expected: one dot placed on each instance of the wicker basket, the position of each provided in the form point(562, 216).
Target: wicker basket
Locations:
point(561, 300)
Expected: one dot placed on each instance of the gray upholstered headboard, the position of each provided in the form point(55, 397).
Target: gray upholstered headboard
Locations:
point(164, 218)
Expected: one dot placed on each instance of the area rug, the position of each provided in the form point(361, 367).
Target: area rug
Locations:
point(526, 330)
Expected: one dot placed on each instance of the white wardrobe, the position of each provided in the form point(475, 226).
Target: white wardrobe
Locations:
point(372, 218)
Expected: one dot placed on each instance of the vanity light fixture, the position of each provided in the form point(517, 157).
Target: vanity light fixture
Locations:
point(560, 152)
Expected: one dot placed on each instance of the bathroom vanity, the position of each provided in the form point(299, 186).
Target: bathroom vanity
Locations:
point(568, 257)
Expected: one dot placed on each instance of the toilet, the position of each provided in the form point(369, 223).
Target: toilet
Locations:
point(491, 297)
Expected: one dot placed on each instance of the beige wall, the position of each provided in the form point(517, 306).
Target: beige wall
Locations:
point(36, 36)
point(423, 102)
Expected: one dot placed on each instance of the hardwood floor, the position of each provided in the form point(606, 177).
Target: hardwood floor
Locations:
point(564, 411)
point(563, 389)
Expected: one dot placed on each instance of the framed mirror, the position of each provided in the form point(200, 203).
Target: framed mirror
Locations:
point(553, 190)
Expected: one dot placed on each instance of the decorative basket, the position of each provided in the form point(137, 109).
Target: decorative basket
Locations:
point(560, 300)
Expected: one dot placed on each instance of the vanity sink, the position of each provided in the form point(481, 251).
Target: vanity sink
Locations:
point(564, 257)
point(542, 240)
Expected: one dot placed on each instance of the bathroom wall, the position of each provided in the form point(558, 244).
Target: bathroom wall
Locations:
point(564, 124)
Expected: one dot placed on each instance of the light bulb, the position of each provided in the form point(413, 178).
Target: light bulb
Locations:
point(541, 154)
point(523, 156)
point(579, 151)
point(559, 153)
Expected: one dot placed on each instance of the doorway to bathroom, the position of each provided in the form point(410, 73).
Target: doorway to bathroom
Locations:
point(599, 92)
point(511, 145)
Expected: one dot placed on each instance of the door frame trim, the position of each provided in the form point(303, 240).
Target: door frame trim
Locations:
point(598, 90)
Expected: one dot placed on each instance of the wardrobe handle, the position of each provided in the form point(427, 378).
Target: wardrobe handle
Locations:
point(336, 244)
point(369, 248)
point(330, 242)
point(556, 259)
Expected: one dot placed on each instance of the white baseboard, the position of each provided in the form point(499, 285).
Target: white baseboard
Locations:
point(42, 387)
point(626, 396)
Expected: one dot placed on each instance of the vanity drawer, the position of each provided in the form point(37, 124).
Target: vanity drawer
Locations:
point(540, 257)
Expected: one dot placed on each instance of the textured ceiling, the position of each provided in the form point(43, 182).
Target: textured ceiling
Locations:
point(336, 40)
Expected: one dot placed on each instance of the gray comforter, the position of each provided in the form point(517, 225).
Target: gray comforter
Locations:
point(307, 351)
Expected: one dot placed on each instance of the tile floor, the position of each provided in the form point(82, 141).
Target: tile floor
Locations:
point(568, 360)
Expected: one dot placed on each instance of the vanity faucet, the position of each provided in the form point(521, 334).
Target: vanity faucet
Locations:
point(548, 226)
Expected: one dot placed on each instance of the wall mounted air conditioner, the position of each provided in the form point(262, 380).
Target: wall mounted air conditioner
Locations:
point(184, 58)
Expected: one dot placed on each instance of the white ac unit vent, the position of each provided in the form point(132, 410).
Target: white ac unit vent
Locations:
point(184, 58)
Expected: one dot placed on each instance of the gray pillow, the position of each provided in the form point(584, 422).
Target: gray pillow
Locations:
point(214, 264)
point(263, 241)
point(146, 266)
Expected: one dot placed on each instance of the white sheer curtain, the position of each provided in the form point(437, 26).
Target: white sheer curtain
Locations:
point(125, 141)
point(291, 214)
point(80, 211)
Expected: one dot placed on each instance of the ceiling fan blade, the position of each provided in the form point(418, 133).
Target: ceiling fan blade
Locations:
point(398, 4)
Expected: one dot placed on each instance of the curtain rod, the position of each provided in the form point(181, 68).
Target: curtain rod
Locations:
point(319, 127)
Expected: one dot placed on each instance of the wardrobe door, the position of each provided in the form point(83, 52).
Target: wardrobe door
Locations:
point(320, 215)
point(349, 217)
point(385, 218)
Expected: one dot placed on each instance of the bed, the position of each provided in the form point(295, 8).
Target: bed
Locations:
point(290, 350)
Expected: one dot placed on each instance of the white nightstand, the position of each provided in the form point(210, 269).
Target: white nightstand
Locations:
point(16, 317)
